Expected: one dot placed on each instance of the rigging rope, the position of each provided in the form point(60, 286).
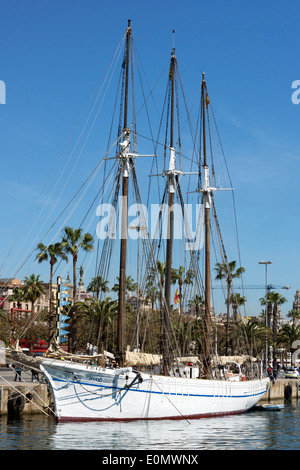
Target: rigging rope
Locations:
point(69, 158)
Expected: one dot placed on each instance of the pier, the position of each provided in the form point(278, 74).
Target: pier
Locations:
point(23, 397)
point(283, 389)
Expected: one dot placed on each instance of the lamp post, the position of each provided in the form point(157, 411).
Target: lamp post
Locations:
point(266, 265)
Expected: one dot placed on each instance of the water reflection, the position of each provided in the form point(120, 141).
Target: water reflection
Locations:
point(26, 432)
point(257, 430)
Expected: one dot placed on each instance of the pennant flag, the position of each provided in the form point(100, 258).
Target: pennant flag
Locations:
point(63, 299)
point(64, 317)
point(63, 332)
point(207, 100)
point(176, 298)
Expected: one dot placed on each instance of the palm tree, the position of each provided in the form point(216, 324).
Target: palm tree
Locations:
point(227, 271)
point(18, 296)
point(255, 334)
point(72, 241)
point(277, 299)
point(236, 301)
point(294, 315)
point(161, 270)
point(151, 293)
point(269, 307)
point(189, 277)
point(102, 313)
point(51, 253)
point(290, 336)
point(97, 285)
point(187, 280)
point(183, 329)
point(131, 286)
point(198, 302)
point(274, 299)
point(33, 289)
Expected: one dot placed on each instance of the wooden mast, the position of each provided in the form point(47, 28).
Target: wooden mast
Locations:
point(124, 218)
point(170, 232)
point(207, 204)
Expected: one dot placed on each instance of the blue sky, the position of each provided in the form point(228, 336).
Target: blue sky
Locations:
point(53, 54)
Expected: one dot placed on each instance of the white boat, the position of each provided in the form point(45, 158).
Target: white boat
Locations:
point(82, 392)
point(85, 392)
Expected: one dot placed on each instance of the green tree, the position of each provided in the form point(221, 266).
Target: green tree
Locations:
point(255, 333)
point(72, 241)
point(289, 337)
point(198, 302)
point(236, 301)
point(228, 272)
point(151, 293)
point(18, 296)
point(161, 271)
point(274, 299)
point(51, 253)
point(182, 278)
point(101, 313)
point(277, 300)
point(131, 286)
point(97, 285)
point(33, 289)
point(269, 307)
point(294, 315)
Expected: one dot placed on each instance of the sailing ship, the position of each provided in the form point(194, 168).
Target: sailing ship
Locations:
point(82, 391)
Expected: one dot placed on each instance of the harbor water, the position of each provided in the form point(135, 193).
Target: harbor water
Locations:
point(255, 430)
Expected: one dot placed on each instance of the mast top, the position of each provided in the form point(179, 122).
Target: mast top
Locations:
point(173, 48)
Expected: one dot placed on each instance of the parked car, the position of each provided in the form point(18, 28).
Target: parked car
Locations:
point(291, 373)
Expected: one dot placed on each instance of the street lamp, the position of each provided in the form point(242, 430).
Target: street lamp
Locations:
point(266, 265)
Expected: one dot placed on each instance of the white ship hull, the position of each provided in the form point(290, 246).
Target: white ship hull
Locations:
point(82, 393)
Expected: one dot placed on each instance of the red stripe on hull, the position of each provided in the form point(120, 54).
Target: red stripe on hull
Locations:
point(203, 415)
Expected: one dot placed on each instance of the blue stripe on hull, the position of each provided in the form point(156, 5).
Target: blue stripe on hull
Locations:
point(157, 392)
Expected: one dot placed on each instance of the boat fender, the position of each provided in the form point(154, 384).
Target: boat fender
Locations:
point(29, 397)
point(15, 403)
point(288, 392)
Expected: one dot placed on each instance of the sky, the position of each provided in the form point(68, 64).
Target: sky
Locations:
point(52, 56)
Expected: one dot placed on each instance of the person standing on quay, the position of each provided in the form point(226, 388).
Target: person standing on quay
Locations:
point(18, 371)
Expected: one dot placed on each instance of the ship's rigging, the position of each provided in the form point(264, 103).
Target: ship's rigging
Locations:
point(120, 169)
